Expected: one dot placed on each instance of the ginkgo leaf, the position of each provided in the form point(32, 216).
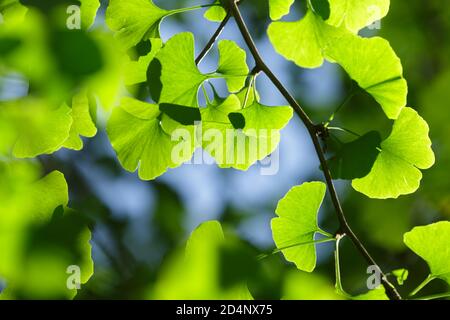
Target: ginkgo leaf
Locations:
point(396, 169)
point(232, 147)
point(88, 12)
point(431, 243)
point(38, 248)
point(228, 146)
point(179, 76)
point(401, 275)
point(216, 13)
point(83, 124)
point(279, 8)
point(260, 117)
point(303, 41)
point(134, 20)
point(232, 65)
point(357, 14)
point(197, 272)
point(41, 129)
point(140, 141)
point(136, 71)
point(294, 229)
point(356, 158)
point(373, 64)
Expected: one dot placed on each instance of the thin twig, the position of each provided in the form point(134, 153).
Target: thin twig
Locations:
point(313, 132)
point(213, 39)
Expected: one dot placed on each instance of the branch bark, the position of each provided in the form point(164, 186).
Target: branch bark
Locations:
point(213, 39)
point(313, 131)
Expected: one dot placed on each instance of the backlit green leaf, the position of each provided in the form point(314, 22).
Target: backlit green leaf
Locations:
point(83, 124)
point(88, 12)
point(196, 273)
point(216, 13)
point(279, 8)
point(401, 275)
point(40, 129)
point(40, 245)
point(296, 224)
point(396, 169)
point(180, 77)
point(356, 14)
point(134, 20)
point(140, 141)
point(431, 243)
point(232, 65)
point(371, 62)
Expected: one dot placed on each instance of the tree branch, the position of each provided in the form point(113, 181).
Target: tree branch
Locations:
point(313, 132)
point(213, 39)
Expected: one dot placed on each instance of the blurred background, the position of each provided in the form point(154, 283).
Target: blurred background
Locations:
point(137, 226)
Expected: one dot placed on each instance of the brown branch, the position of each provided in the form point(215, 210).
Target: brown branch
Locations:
point(313, 132)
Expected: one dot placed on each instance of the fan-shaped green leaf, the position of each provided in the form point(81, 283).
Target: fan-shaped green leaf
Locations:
point(302, 41)
point(431, 243)
point(279, 8)
point(401, 275)
point(83, 124)
point(396, 169)
point(136, 133)
point(232, 65)
point(296, 224)
point(375, 67)
point(357, 14)
point(40, 245)
point(134, 20)
point(40, 128)
point(180, 77)
point(371, 62)
point(197, 272)
point(88, 12)
point(216, 13)
point(240, 149)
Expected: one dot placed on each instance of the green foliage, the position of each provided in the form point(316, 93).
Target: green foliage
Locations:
point(40, 236)
point(134, 20)
point(216, 13)
point(196, 273)
point(147, 147)
point(296, 225)
point(160, 121)
point(396, 169)
point(371, 62)
point(431, 244)
point(232, 65)
point(279, 8)
point(357, 14)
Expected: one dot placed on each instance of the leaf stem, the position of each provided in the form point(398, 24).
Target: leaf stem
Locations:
point(278, 250)
point(343, 104)
point(193, 8)
point(337, 268)
point(422, 285)
point(313, 132)
point(344, 130)
point(435, 296)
